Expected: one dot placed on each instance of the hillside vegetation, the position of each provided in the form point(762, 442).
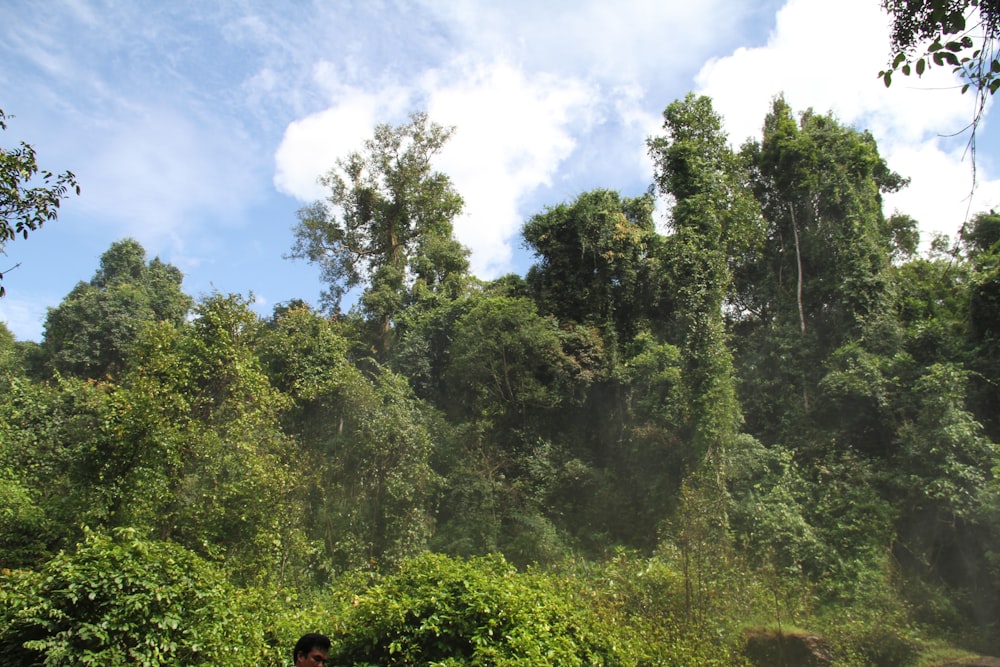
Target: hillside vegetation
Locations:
point(773, 416)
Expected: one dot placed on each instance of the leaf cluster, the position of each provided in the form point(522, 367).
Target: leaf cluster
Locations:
point(119, 599)
point(961, 34)
point(441, 611)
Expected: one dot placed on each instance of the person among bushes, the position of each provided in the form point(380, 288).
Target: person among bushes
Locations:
point(311, 649)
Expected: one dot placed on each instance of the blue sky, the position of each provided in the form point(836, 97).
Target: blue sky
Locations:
point(201, 128)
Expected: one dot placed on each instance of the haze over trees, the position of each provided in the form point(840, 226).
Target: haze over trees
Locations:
point(774, 414)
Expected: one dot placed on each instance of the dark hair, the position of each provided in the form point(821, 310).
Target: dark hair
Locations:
point(308, 642)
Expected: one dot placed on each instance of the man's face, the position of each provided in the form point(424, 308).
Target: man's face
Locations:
point(315, 658)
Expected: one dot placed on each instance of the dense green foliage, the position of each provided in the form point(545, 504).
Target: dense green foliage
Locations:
point(119, 600)
point(774, 415)
point(436, 610)
point(386, 223)
point(88, 335)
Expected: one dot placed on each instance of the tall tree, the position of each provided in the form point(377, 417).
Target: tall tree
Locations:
point(364, 442)
point(595, 260)
point(89, 333)
point(982, 237)
point(8, 351)
point(712, 209)
point(211, 466)
point(386, 223)
point(820, 185)
point(24, 206)
point(820, 271)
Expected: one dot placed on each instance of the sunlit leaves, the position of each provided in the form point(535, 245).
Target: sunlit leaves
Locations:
point(595, 261)
point(119, 599)
point(437, 610)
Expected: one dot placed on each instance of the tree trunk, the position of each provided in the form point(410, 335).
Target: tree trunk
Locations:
point(798, 296)
point(798, 260)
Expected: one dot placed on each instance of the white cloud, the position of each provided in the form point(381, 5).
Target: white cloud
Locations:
point(549, 99)
point(808, 59)
point(514, 131)
point(938, 194)
point(164, 176)
point(311, 145)
point(156, 173)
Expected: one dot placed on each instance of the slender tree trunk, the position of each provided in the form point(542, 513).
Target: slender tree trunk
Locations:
point(798, 295)
point(798, 260)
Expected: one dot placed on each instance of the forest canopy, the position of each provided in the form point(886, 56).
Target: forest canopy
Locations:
point(774, 417)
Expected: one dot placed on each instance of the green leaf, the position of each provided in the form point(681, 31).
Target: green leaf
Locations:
point(921, 66)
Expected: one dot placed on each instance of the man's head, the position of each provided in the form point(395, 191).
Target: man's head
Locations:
point(311, 650)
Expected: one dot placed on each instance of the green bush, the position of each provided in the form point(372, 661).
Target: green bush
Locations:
point(121, 600)
point(441, 611)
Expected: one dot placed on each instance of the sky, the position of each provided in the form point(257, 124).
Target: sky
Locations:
point(200, 129)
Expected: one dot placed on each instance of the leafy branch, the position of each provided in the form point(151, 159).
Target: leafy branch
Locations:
point(25, 207)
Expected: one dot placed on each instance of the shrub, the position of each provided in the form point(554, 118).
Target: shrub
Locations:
point(441, 611)
point(121, 600)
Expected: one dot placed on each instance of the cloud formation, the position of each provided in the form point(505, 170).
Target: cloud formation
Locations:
point(158, 170)
point(542, 95)
point(513, 131)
